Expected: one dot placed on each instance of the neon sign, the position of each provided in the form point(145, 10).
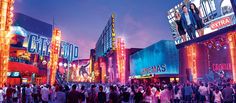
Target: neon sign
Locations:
point(220, 23)
point(155, 69)
point(223, 66)
point(41, 45)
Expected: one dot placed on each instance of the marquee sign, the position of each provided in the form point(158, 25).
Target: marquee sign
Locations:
point(221, 23)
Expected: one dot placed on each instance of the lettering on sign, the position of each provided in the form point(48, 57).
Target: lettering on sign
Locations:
point(155, 69)
point(41, 45)
point(220, 23)
point(223, 66)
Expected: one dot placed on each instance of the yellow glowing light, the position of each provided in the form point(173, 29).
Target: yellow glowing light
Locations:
point(191, 54)
point(54, 55)
point(121, 59)
point(5, 22)
point(232, 39)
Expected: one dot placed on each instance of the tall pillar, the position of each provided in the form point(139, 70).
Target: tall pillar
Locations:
point(54, 55)
point(232, 46)
point(6, 14)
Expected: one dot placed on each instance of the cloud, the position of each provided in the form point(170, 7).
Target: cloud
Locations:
point(136, 33)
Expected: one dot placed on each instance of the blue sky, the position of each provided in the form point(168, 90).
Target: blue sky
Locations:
point(141, 22)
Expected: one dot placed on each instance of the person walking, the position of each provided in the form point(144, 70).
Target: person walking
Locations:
point(228, 94)
point(45, 94)
point(73, 96)
point(203, 92)
point(101, 95)
point(113, 96)
point(28, 93)
point(217, 96)
point(9, 93)
point(138, 96)
point(35, 94)
point(92, 95)
point(188, 91)
point(148, 96)
point(83, 95)
point(60, 96)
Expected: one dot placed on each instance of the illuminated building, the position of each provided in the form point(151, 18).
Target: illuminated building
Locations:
point(105, 48)
point(121, 59)
point(6, 10)
point(160, 61)
point(29, 51)
point(54, 54)
point(232, 46)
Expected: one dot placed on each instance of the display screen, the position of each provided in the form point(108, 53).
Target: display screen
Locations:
point(159, 58)
point(82, 73)
point(203, 17)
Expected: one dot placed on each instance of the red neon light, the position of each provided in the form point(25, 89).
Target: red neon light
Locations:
point(220, 23)
point(121, 57)
point(232, 39)
point(224, 66)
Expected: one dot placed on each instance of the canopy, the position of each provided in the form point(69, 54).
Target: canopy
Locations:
point(22, 68)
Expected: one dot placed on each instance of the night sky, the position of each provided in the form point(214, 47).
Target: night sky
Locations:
point(141, 22)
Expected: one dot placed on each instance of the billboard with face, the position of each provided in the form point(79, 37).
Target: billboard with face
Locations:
point(194, 18)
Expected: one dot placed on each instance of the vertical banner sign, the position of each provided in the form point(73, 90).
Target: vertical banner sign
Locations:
point(54, 55)
point(6, 8)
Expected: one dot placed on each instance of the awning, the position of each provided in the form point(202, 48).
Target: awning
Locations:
point(22, 68)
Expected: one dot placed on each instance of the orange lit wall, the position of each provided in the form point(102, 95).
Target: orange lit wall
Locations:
point(191, 60)
point(232, 40)
point(54, 55)
point(6, 7)
point(121, 57)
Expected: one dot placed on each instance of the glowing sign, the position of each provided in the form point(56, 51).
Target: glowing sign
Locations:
point(224, 66)
point(121, 57)
point(37, 44)
point(220, 23)
point(159, 58)
point(155, 69)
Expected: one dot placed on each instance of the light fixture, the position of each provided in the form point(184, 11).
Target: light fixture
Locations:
point(65, 64)
point(44, 62)
point(60, 64)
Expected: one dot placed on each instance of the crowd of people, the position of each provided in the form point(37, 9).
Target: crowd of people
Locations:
point(214, 92)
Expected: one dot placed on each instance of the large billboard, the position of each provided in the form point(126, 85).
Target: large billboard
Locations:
point(194, 18)
point(106, 41)
point(159, 58)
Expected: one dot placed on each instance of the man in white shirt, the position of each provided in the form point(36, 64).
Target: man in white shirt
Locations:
point(44, 92)
point(203, 92)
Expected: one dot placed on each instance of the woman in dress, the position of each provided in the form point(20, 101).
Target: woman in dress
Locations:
point(198, 17)
point(179, 26)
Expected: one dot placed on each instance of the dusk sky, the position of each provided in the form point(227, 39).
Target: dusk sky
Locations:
point(141, 22)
